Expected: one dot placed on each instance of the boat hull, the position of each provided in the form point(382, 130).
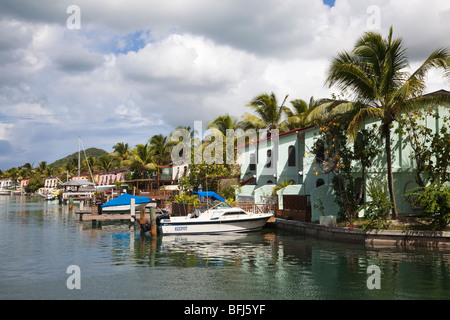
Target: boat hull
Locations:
point(196, 226)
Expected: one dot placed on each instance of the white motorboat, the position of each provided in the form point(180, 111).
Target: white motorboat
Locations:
point(220, 218)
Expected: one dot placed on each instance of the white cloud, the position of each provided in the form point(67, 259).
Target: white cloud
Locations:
point(140, 68)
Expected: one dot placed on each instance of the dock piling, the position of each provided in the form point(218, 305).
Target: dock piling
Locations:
point(153, 221)
point(133, 210)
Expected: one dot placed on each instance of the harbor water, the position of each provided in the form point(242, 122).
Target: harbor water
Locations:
point(42, 243)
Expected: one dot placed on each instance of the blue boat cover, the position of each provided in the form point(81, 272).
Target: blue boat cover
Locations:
point(125, 199)
point(211, 194)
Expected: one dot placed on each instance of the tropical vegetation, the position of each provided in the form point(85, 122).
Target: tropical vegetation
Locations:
point(375, 84)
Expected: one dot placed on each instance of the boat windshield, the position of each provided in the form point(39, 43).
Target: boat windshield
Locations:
point(221, 205)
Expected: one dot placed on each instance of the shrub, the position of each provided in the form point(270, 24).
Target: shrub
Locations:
point(377, 210)
point(435, 201)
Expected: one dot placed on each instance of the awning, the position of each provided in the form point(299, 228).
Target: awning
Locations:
point(77, 183)
point(211, 194)
point(125, 199)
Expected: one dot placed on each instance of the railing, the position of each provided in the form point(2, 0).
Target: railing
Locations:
point(257, 207)
point(159, 194)
point(78, 195)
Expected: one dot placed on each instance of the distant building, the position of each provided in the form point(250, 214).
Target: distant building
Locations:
point(111, 177)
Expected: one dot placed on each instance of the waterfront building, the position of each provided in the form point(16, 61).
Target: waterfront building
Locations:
point(287, 157)
point(112, 176)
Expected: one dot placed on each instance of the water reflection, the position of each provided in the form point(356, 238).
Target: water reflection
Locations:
point(40, 239)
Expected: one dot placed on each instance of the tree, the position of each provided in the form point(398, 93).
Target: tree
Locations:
point(105, 162)
point(373, 73)
point(268, 112)
point(223, 123)
point(140, 160)
point(335, 154)
point(160, 148)
point(297, 115)
point(121, 152)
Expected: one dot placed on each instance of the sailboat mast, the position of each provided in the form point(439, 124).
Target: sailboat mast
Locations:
point(78, 157)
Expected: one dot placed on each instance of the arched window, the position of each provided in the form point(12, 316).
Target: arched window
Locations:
point(269, 159)
point(291, 156)
point(319, 182)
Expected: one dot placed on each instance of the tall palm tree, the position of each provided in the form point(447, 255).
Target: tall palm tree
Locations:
point(160, 148)
point(140, 160)
point(374, 73)
point(121, 152)
point(223, 123)
point(297, 115)
point(105, 162)
point(268, 112)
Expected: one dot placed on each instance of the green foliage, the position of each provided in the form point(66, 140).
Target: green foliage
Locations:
point(36, 182)
point(207, 175)
point(334, 153)
point(94, 152)
point(186, 198)
point(431, 150)
point(378, 208)
point(435, 201)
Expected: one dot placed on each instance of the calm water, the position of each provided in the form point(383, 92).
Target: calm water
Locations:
point(39, 240)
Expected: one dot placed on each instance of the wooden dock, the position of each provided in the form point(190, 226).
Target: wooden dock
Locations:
point(109, 216)
point(91, 214)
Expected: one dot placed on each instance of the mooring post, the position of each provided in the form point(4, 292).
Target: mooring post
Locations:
point(142, 216)
point(70, 203)
point(153, 221)
point(132, 209)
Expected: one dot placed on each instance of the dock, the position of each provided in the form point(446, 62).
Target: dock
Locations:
point(86, 215)
point(91, 214)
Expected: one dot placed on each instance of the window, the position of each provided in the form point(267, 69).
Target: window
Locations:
point(269, 159)
point(319, 182)
point(320, 153)
point(234, 213)
point(252, 162)
point(291, 156)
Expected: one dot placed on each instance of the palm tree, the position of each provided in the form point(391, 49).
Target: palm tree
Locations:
point(374, 73)
point(268, 113)
point(160, 148)
point(298, 117)
point(121, 152)
point(140, 160)
point(105, 162)
point(223, 123)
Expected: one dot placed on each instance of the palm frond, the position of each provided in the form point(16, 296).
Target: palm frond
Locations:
point(360, 116)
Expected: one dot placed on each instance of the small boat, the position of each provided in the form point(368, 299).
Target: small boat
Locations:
point(122, 204)
point(220, 218)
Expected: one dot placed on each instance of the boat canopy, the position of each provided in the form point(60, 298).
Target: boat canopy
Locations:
point(125, 199)
point(211, 194)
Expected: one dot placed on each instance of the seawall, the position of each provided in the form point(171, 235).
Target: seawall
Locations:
point(370, 238)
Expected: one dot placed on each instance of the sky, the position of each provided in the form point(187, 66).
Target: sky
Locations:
point(122, 71)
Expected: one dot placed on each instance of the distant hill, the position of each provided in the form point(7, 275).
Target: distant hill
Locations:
point(94, 152)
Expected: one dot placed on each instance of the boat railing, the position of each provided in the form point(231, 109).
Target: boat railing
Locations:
point(254, 208)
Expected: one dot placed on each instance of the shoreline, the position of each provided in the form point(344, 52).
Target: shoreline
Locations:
point(368, 238)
